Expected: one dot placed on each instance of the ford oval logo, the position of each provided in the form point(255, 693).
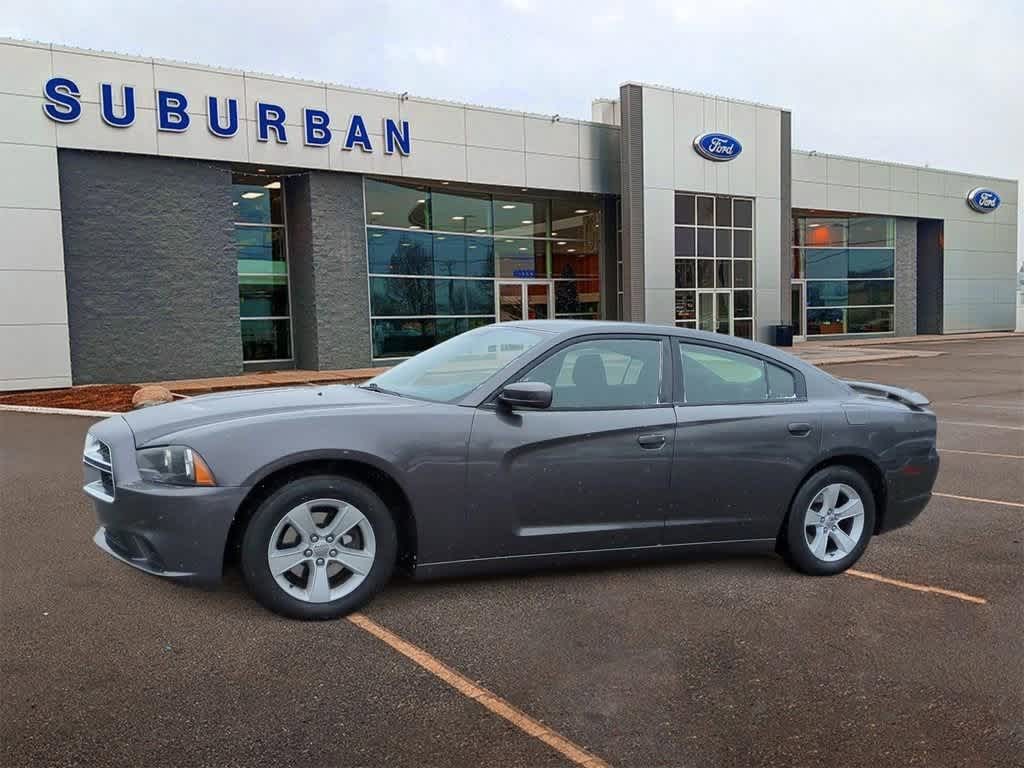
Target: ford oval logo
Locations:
point(717, 146)
point(983, 200)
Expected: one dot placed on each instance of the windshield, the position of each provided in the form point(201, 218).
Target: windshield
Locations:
point(451, 369)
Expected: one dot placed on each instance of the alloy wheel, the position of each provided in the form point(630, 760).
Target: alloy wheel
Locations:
point(321, 550)
point(834, 522)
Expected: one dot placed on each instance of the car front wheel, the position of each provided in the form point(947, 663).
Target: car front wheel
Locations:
point(830, 522)
point(319, 547)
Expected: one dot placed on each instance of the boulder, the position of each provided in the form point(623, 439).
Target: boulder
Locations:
point(146, 396)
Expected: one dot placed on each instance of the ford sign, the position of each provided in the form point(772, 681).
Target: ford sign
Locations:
point(717, 146)
point(983, 200)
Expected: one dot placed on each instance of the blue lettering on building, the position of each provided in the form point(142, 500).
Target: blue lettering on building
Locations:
point(107, 111)
point(63, 104)
point(213, 118)
point(62, 100)
point(171, 112)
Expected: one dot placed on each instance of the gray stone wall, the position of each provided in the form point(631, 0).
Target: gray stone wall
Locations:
point(152, 280)
point(906, 277)
point(327, 252)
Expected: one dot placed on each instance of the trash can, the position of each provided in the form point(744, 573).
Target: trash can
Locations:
point(782, 335)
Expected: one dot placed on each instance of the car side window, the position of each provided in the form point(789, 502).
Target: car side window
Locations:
point(603, 373)
point(713, 376)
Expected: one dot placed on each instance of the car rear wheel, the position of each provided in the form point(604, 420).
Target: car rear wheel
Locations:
point(319, 547)
point(830, 522)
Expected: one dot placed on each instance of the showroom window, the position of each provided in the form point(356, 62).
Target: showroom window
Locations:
point(714, 263)
point(444, 259)
point(846, 267)
point(263, 292)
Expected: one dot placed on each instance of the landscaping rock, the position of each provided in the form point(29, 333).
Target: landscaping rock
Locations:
point(147, 396)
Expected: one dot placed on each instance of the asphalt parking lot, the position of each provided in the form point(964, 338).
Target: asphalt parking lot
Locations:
point(735, 662)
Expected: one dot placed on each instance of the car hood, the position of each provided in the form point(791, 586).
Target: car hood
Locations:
point(151, 424)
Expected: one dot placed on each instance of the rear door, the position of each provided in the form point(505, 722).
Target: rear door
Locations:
point(745, 436)
point(590, 472)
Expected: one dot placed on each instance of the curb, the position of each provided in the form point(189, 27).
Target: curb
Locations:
point(57, 411)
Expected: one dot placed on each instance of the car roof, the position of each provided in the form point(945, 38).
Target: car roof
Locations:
point(569, 328)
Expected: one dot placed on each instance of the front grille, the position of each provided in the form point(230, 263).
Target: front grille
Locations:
point(96, 457)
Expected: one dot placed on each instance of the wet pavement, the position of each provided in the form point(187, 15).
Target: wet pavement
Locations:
point(703, 662)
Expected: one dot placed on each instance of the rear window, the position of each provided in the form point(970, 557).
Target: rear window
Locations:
point(713, 376)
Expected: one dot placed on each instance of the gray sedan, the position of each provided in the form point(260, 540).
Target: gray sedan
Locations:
point(517, 445)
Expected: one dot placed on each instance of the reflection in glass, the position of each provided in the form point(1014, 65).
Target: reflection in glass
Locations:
point(538, 302)
point(742, 244)
point(723, 244)
point(686, 305)
point(397, 205)
point(706, 211)
point(581, 298)
point(685, 209)
point(825, 321)
point(397, 296)
point(266, 340)
point(869, 319)
point(463, 212)
point(260, 250)
point(743, 274)
point(723, 273)
point(723, 306)
point(706, 273)
point(744, 303)
point(686, 242)
point(522, 217)
point(263, 295)
point(723, 212)
point(686, 273)
point(510, 302)
point(705, 243)
point(744, 329)
point(743, 213)
point(252, 202)
point(524, 259)
point(407, 337)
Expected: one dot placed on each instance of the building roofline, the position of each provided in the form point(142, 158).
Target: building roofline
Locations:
point(704, 95)
point(815, 153)
point(138, 58)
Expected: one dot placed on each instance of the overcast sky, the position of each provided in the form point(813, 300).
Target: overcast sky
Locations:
point(937, 82)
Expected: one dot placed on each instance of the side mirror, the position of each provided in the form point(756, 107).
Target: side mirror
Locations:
point(526, 394)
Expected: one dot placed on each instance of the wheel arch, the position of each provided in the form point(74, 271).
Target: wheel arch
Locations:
point(357, 467)
point(864, 465)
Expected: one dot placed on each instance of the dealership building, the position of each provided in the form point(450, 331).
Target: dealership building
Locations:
point(163, 220)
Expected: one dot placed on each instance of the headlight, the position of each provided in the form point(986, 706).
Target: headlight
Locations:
point(175, 465)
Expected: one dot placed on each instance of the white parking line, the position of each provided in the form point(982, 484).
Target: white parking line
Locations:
point(980, 501)
point(983, 453)
point(1015, 406)
point(982, 426)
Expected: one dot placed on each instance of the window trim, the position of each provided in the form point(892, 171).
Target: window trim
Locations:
point(799, 382)
point(665, 388)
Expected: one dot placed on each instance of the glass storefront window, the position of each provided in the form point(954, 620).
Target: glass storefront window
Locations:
point(464, 212)
point(418, 234)
point(392, 205)
point(848, 263)
point(264, 306)
point(253, 202)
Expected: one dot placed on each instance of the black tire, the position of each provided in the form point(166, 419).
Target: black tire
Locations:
point(256, 541)
point(797, 550)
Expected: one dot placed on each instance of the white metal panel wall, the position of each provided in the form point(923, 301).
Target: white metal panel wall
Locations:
point(671, 120)
point(450, 141)
point(34, 349)
point(980, 249)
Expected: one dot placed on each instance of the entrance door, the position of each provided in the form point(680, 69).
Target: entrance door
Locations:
point(522, 300)
point(714, 311)
point(798, 299)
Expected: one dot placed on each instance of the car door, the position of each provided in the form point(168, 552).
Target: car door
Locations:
point(745, 436)
point(592, 471)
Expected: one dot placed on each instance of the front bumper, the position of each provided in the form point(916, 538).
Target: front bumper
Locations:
point(178, 533)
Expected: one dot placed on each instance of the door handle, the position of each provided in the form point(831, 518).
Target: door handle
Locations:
point(651, 441)
point(799, 429)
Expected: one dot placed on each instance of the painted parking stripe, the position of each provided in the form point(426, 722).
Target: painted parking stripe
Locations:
point(490, 701)
point(983, 426)
point(981, 501)
point(918, 587)
point(983, 453)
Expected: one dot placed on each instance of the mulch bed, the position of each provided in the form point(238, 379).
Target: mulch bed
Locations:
point(98, 397)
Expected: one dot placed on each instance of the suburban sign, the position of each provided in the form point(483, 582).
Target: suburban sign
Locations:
point(983, 200)
point(63, 105)
point(717, 146)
